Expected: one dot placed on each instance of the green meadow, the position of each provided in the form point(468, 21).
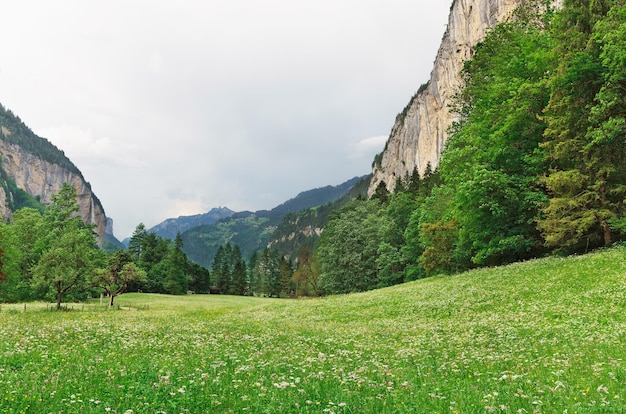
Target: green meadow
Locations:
point(544, 336)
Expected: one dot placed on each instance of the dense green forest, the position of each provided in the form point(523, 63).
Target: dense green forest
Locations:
point(536, 164)
point(54, 256)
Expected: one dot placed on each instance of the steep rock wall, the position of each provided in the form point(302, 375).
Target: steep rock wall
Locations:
point(420, 131)
point(42, 179)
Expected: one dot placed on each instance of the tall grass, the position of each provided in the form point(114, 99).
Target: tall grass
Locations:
point(542, 336)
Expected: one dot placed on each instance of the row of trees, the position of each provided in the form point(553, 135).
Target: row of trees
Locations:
point(372, 243)
point(55, 255)
point(168, 270)
point(267, 273)
point(536, 164)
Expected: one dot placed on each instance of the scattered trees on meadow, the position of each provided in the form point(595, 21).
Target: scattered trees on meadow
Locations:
point(55, 256)
point(121, 272)
point(51, 255)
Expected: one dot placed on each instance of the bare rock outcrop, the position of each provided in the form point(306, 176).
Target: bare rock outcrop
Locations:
point(420, 131)
point(42, 179)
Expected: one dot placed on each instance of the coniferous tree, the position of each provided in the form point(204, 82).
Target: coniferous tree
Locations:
point(137, 243)
point(284, 280)
point(217, 268)
point(585, 134)
point(238, 280)
point(266, 273)
point(224, 273)
point(381, 192)
point(199, 278)
point(176, 282)
point(255, 278)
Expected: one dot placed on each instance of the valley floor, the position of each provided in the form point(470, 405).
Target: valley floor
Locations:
point(542, 336)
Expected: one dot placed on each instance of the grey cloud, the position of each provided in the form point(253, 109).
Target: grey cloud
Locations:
point(173, 108)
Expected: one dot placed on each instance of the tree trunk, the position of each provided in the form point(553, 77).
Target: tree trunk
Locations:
point(606, 229)
point(59, 296)
point(608, 234)
point(111, 301)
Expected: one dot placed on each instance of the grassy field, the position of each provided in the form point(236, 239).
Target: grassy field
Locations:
point(545, 336)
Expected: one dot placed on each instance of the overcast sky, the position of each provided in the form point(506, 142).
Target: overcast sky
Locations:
point(172, 108)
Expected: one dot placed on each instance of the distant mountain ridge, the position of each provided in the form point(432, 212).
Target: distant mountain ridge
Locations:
point(168, 229)
point(312, 198)
point(252, 230)
point(304, 227)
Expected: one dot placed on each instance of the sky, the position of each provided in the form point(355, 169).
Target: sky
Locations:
point(172, 108)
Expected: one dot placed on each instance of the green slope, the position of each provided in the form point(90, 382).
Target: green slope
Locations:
point(248, 230)
point(545, 336)
point(252, 231)
point(303, 228)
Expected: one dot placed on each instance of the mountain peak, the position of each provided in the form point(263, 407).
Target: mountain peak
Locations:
point(170, 227)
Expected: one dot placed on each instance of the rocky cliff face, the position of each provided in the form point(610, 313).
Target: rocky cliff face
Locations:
point(420, 131)
point(41, 179)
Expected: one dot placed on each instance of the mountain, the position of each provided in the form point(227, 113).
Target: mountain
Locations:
point(252, 230)
point(110, 243)
point(32, 169)
point(419, 133)
point(304, 228)
point(169, 228)
point(313, 198)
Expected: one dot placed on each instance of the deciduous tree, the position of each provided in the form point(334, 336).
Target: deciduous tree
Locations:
point(72, 254)
point(120, 272)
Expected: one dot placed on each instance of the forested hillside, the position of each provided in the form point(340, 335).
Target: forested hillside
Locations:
point(14, 131)
point(169, 228)
point(302, 229)
point(248, 230)
point(252, 231)
point(536, 165)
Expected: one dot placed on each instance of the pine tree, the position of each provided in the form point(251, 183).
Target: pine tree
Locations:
point(136, 243)
point(284, 280)
point(238, 282)
point(176, 282)
point(585, 133)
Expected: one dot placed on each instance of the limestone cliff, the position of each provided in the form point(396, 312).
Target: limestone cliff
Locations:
point(35, 166)
point(420, 131)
